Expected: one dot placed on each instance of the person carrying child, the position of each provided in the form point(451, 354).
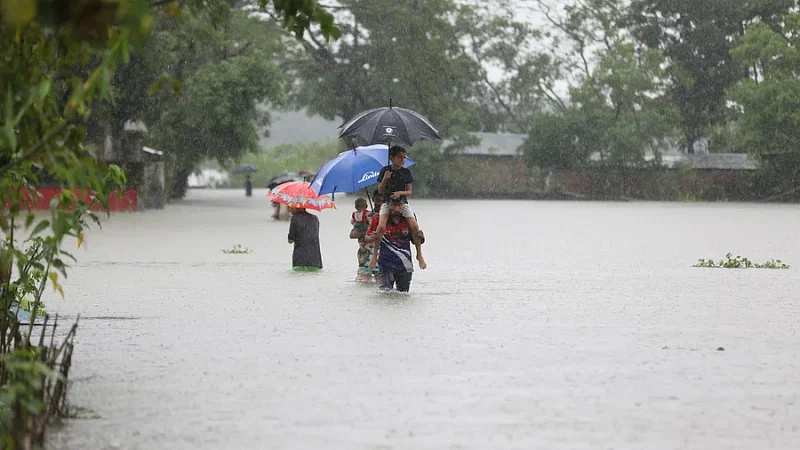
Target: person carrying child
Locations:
point(396, 268)
point(396, 182)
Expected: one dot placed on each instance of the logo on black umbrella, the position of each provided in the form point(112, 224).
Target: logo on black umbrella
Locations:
point(389, 130)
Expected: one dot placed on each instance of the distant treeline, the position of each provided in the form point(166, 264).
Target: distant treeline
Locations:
point(639, 74)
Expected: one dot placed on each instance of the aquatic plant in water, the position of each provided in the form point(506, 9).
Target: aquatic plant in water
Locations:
point(238, 249)
point(731, 262)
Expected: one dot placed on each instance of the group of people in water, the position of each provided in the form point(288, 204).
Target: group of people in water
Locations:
point(384, 235)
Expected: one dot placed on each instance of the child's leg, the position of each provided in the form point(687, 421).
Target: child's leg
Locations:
point(384, 219)
point(412, 223)
point(363, 255)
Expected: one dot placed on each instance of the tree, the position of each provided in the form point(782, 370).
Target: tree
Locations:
point(226, 74)
point(406, 51)
point(624, 97)
point(697, 36)
point(58, 62)
point(493, 37)
point(59, 59)
point(588, 27)
point(618, 114)
point(220, 57)
point(559, 140)
point(769, 101)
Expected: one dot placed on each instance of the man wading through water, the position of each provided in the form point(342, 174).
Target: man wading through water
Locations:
point(396, 265)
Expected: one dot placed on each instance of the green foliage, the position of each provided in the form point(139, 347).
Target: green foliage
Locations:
point(25, 304)
point(26, 373)
point(59, 62)
point(237, 250)
point(769, 124)
point(616, 113)
point(298, 16)
point(558, 140)
point(622, 99)
point(220, 65)
point(697, 37)
point(731, 262)
point(201, 84)
point(51, 82)
point(493, 36)
point(403, 51)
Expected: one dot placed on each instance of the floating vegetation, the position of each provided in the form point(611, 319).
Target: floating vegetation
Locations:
point(738, 262)
point(238, 250)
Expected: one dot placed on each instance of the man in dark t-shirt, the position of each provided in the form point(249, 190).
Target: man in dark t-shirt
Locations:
point(396, 183)
point(396, 265)
point(304, 234)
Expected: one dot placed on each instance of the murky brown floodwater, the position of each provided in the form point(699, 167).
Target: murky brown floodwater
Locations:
point(537, 325)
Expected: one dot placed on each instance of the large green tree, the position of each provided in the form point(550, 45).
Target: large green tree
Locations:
point(769, 100)
point(226, 73)
point(697, 36)
point(217, 63)
point(618, 113)
point(404, 50)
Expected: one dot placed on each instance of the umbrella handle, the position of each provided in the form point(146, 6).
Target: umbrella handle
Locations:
point(369, 198)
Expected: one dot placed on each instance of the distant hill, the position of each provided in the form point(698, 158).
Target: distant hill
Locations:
point(296, 126)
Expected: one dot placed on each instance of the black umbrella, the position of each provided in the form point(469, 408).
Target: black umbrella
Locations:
point(385, 125)
point(244, 168)
point(284, 178)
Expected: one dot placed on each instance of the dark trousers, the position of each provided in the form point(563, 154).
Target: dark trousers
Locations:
point(402, 280)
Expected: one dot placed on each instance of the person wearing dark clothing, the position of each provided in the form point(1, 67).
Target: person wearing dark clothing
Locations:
point(248, 187)
point(396, 267)
point(304, 234)
point(396, 183)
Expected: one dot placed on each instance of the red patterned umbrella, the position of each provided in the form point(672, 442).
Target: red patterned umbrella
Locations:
point(298, 194)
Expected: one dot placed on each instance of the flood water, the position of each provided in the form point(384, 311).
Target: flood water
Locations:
point(537, 325)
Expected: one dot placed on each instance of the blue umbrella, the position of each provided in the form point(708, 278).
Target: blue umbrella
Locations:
point(352, 170)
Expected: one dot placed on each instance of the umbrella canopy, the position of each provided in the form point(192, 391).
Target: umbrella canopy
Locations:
point(298, 194)
point(244, 168)
point(352, 170)
point(384, 125)
point(284, 178)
